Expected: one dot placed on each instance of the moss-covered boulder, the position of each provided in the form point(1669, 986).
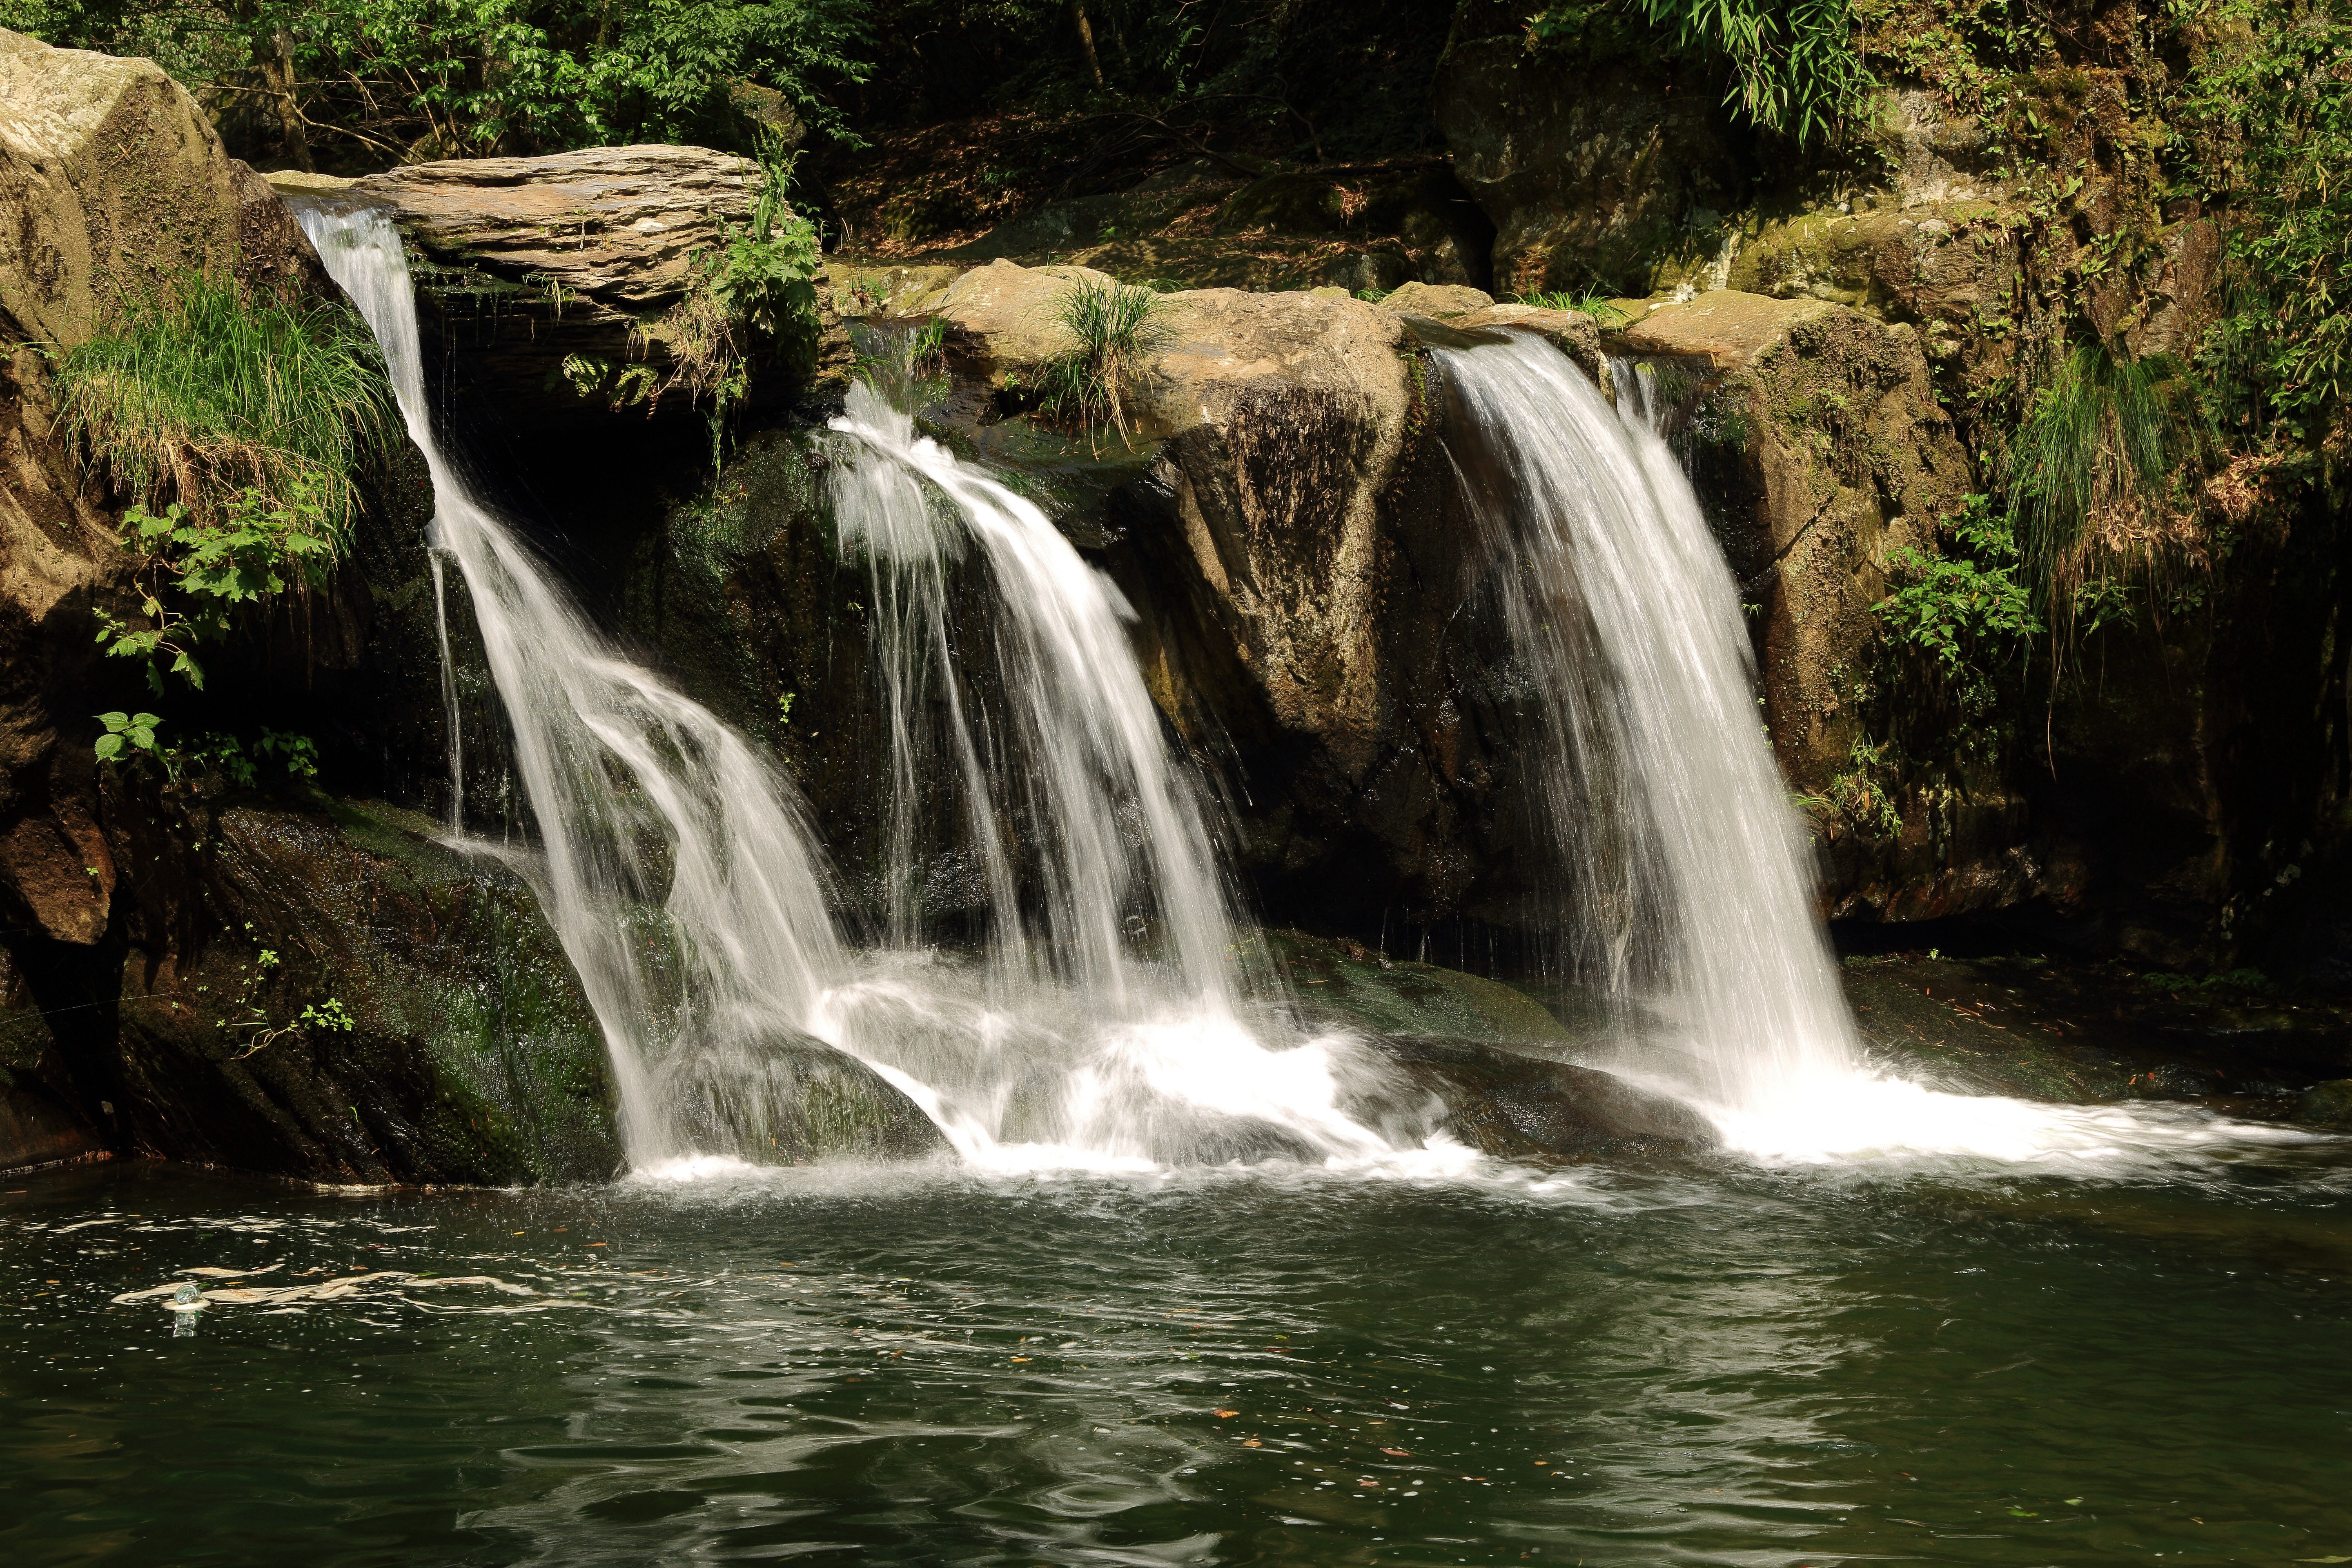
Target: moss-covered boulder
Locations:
point(2327, 1105)
point(1473, 1059)
point(321, 990)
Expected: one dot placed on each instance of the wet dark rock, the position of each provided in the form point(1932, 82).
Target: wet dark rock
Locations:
point(2083, 1032)
point(2327, 1105)
point(1472, 1058)
point(1519, 1107)
point(794, 1099)
point(211, 1023)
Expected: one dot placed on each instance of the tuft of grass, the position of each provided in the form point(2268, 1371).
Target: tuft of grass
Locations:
point(2088, 471)
point(1590, 302)
point(202, 393)
point(1117, 327)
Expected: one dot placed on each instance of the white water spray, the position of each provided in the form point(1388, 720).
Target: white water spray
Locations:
point(1121, 849)
point(1116, 1031)
point(1690, 875)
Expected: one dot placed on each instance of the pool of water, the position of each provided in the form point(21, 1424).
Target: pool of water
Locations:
point(1707, 1361)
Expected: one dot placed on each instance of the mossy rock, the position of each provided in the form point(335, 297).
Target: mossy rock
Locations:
point(792, 1100)
point(2327, 1105)
point(322, 988)
point(1347, 984)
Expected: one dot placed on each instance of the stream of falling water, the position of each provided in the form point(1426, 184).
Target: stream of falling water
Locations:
point(674, 863)
point(1690, 888)
point(1690, 878)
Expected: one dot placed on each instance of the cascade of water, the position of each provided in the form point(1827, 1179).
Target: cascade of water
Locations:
point(1121, 846)
point(1691, 876)
point(1106, 1057)
point(1117, 1030)
point(626, 780)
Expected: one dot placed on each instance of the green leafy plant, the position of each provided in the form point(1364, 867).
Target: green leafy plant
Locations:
point(2268, 120)
point(927, 353)
point(194, 575)
point(1114, 329)
point(413, 79)
point(205, 394)
point(753, 290)
point(133, 730)
point(1961, 604)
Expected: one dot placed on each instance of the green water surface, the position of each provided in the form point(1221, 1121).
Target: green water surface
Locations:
point(1691, 1363)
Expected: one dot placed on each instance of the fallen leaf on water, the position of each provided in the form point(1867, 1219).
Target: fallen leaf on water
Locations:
point(1252, 1443)
point(2073, 1502)
point(1227, 1414)
point(1021, 1358)
point(1398, 1453)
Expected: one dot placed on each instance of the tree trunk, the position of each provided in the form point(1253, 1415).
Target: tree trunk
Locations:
point(277, 70)
point(1086, 39)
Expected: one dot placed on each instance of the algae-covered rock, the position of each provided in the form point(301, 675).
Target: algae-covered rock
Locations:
point(2327, 1105)
point(1471, 1057)
point(1342, 982)
point(324, 991)
point(794, 1099)
point(1519, 1107)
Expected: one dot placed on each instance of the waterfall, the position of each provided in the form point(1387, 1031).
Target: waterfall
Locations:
point(1690, 878)
point(1117, 1027)
point(675, 863)
point(1121, 850)
point(631, 786)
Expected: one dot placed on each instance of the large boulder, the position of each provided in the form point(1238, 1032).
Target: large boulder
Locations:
point(323, 990)
point(1297, 550)
point(527, 262)
point(618, 226)
point(115, 183)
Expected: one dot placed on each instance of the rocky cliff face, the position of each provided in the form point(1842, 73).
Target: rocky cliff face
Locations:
point(160, 939)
